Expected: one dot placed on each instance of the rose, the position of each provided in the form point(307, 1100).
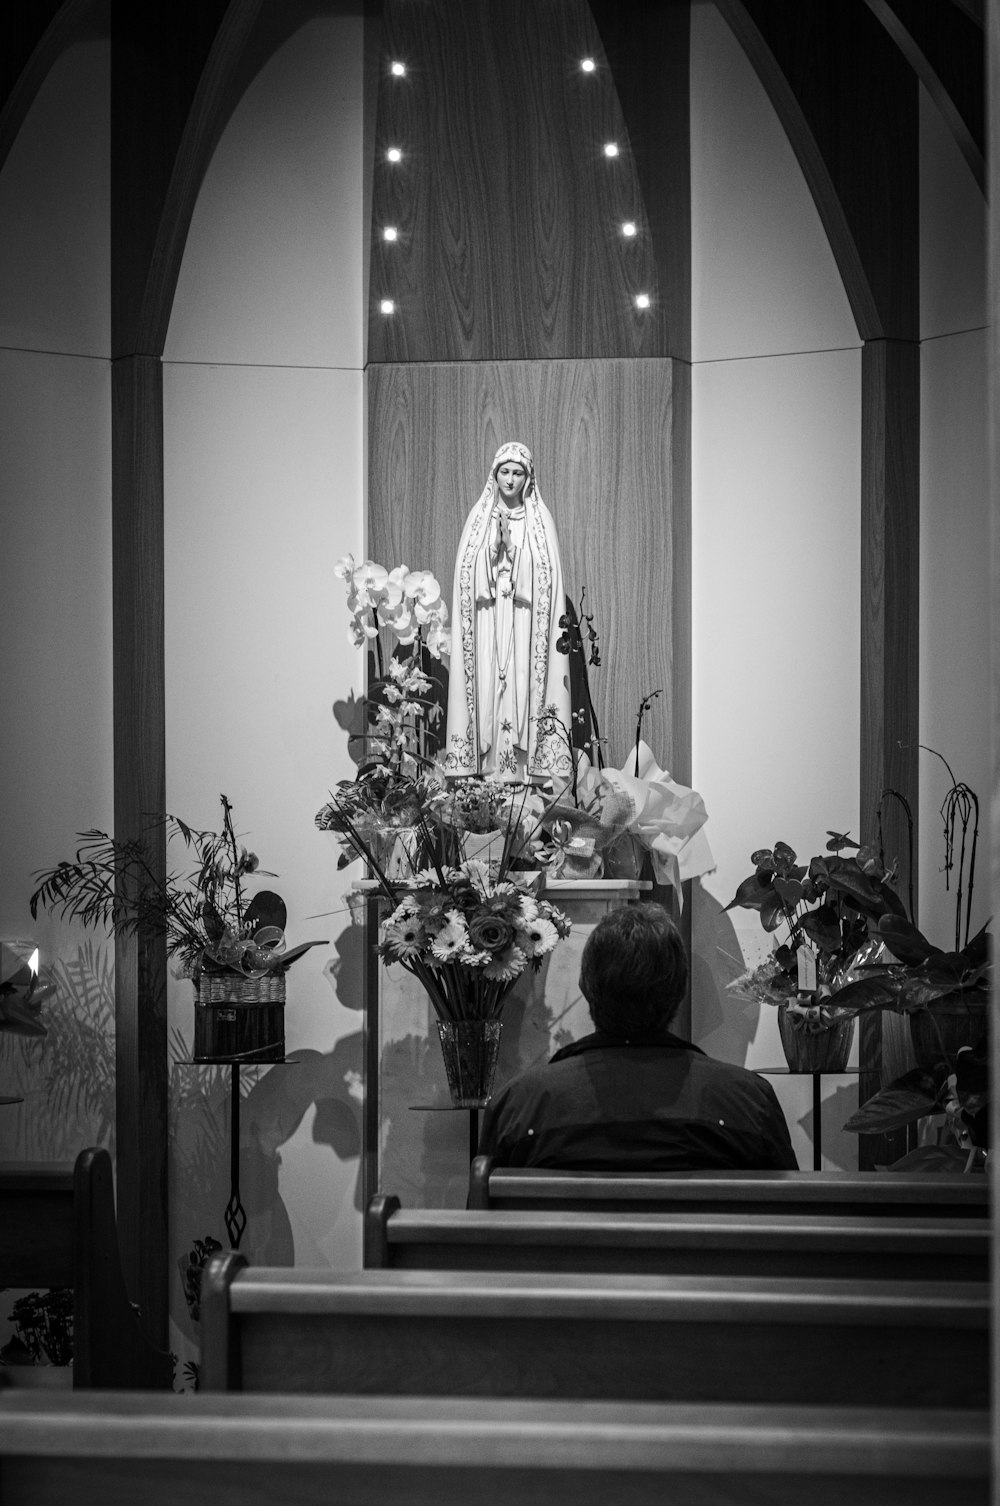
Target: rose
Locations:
point(490, 933)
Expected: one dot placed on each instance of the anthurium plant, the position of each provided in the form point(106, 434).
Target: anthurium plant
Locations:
point(832, 908)
point(960, 1092)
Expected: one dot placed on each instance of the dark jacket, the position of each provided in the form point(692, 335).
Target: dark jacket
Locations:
point(658, 1105)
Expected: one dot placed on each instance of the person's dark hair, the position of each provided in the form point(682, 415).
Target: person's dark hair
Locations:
point(633, 972)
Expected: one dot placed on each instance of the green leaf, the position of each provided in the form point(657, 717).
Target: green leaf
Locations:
point(890, 1109)
point(790, 890)
point(772, 912)
point(839, 840)
point(877, 992)
point(752, 893)
point(870, 863)
point(905, 941)
point(822, 926)
point(846, 878)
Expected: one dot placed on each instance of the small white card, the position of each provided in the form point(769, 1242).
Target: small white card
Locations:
point(806, 959)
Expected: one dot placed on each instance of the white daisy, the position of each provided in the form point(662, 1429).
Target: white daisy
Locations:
point(452, 939)
point(539, 937)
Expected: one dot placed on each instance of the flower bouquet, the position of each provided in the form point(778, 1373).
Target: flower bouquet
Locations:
point(230, 945)
point(468, 934)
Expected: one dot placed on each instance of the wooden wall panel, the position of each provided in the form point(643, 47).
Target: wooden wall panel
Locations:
point(611, 450)
point(648, 51)
point(507, 211)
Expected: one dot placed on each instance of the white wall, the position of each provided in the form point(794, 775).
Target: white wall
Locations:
point(955, 682)
point(55, 560)
point(264, 448)
point(775, 539)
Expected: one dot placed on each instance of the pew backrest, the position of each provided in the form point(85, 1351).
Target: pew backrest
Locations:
point(161, 1450)
point(58, 1228)
point(690, 1242)
point(841, 1193)
point(612, 1337)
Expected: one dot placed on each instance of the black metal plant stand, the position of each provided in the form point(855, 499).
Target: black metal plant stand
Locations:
point(235, 1216)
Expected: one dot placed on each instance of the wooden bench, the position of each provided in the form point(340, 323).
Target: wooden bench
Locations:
point(57, 1228)
point(842, 1193)
point(712, 1244)
point(255, 1450)
point(609, 1338)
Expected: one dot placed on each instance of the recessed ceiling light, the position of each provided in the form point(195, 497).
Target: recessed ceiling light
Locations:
point(642, 300)
point(390, 233)
point(588, 65)
point(611, 149)
point(387, 306)
point(394, 154)
point(628, 229)
point(397, 70)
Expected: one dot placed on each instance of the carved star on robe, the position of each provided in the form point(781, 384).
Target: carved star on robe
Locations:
point(506, 726)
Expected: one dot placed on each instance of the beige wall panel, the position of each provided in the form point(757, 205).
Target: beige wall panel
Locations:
point(602, 435)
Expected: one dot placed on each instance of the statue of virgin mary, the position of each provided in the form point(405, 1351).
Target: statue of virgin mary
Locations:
point(508, 598)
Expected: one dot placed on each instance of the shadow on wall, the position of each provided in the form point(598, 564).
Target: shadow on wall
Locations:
point(723, 1025)
point(271, 1110)
point(66, 1077)
point(273, 1102)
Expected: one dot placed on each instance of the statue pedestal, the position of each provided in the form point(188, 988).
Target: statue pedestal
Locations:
point(423, 1157)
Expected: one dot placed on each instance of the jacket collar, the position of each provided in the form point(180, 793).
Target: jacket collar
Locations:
point(601, 1042)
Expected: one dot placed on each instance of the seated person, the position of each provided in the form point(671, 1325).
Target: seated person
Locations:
point(632, 1096)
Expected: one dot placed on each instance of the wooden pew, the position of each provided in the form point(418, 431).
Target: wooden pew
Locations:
point(57, 1228)
point(689, 1243)
point(255, 1450)
point(844, 1194)
point(610, 1338)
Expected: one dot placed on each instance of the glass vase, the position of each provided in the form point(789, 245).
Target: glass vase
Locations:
point(470, 1049)
point(808, 1050)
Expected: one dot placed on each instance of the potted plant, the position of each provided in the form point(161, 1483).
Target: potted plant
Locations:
point(958, 1091)
point(829, 911)
point(943, 991)
point(230, 944)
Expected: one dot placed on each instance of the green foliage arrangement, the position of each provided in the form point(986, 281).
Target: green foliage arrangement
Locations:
point(203, 912)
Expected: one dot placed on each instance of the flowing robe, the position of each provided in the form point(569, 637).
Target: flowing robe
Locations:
point(505, 669)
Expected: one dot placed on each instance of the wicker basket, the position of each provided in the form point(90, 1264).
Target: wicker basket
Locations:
point(238, 1018)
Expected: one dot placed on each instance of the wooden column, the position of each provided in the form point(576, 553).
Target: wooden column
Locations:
point(890, 592)
point(139, 795)
point(993, 157)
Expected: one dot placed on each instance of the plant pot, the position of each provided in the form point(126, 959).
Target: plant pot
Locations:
point(470, 1049)
point(938, 1032)
point(807, 1050)
point(238, 1018)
